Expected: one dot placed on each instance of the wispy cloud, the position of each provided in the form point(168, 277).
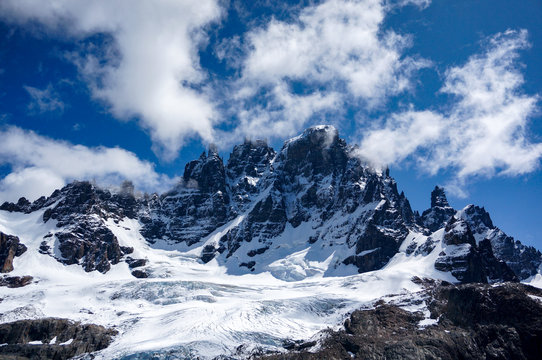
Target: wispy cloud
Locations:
point(43, 100)
point(333, 53)
point(484, 132)
point(150, 68)
point(41, 165)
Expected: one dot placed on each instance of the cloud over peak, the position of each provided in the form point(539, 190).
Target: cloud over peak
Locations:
point(333, 54)
point(484, 131)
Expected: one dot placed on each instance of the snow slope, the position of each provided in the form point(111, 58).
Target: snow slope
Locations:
point(186, 308)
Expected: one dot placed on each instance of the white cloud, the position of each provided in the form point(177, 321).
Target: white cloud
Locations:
point(484, 132)
point(41, 165)
point(150, 69)
point(46, 100)
point(403, 134)
point(420, 3)
point(335, 51)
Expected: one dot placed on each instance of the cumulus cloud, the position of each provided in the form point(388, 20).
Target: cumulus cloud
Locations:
point(41, 165)
point(149, 70)
point(43, 100)
point(333, 53)
point(485, 130)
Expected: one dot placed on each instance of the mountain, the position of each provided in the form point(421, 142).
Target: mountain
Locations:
point(302, 225)
point(261, 209)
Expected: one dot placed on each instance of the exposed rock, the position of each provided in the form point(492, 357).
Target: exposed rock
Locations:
point(15, 281)
point(10, 247)
point(194, 208)
point(140, 274)
point(496, 270)
point(134, 263)
point(523, 260)
point(51, 338)
point(467, 261)
point(440, 212)
point(246, 165)
point(83, 198)
point(474, 322)
point(80, 210)
point(92, 245)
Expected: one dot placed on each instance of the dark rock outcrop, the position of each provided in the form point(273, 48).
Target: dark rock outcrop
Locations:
point(475, 321)
point(51, 338)
point(246, 165)
point(140, 274)
point(134, 263)
point(10, 247)
point(461, 257)
point(198, 205)
point(524, 261)
point(80, 209)
point(439, 213)
point(467, 261)
point(496, 270)
point(91, 245)
point(15, 281)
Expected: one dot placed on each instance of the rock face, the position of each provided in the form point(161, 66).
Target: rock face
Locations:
point(197, 206)
point(246, 165)
point(468, 261)
point(475, 321)
point(51, 338)
point(15, 281)
point(10, 247)
point(461, 256)
point(80, 210)
point(314, 180)
point(263, 208)
point(439, 213)
point(523, 260)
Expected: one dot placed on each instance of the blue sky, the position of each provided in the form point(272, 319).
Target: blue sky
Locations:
point(442, 92)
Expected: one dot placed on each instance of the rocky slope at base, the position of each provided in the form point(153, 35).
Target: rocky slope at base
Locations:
point(472, 321)
point(51, 338)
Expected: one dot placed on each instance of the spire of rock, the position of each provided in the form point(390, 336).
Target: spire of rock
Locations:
point(438, 198)
point(439, 213)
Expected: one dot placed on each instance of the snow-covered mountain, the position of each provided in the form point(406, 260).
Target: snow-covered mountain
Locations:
point(268, 247)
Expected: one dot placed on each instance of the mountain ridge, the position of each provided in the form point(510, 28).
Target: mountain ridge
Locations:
point(312, 196)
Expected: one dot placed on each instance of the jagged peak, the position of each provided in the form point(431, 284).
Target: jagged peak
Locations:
point(254, 142)
point(438, 198)
point(249, 144)
point(321, 136)
point(473, 213)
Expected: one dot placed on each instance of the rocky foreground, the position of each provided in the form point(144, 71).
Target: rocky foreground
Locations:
point(51, 338)
point(471, 321)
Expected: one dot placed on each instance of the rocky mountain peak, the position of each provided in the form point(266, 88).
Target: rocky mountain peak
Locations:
point(206, 173)
point(438, 198)
point(251, 158)
point(439, 213)
point(477, 215)
point(317, 151)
